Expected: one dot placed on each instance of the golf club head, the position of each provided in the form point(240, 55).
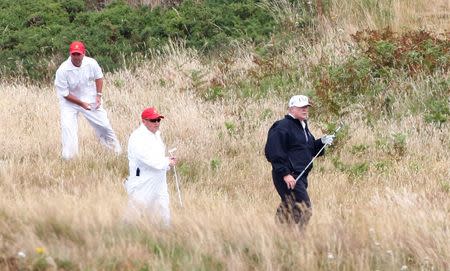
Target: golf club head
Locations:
point(340, 125)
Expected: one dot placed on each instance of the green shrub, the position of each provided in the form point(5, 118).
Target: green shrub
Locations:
point(382, 57)
point(358, 170)
point(38, 32)
point(399, 145)
point(215, 164)
point(214, 93)
point(355, 171)
point(231, 128)
point(73, 7)
point(340, 85)
point(438, 111)
point(414, 52)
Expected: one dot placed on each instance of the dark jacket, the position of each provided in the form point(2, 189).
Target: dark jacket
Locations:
point(287, 148)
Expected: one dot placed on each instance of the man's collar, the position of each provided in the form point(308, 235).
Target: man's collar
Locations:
point(289, 116)
point(150, 132)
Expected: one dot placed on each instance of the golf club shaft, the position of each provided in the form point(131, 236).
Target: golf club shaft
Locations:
point(323, 147)
point(178, 185)
point(176, 178)
point(307, 166)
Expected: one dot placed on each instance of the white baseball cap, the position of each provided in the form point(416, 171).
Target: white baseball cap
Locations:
point(299, 101)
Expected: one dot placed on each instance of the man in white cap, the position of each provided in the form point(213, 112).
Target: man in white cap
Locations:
point(289, 148)
point(146, 185)
point(79, 86)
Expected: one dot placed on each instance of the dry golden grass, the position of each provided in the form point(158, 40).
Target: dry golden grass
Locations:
point(395, 215)
point(399, 15)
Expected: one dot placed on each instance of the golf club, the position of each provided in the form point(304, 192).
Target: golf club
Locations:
point(176, 177)
point(307, 166)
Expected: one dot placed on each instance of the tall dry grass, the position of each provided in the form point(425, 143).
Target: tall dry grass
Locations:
point(394, 216)
point(399, 15)
point(387, 208)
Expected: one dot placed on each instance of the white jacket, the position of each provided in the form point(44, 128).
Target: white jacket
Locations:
point(148, 191)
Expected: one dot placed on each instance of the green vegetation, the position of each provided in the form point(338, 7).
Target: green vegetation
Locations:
point(383, 58)
point(438, 111)
point(385, 177)
point(36, 34)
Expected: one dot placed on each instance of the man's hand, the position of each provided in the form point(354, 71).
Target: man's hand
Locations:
point(86, 106)
point(327, 139)
point(172, 161)
point(98, 101)
point(290, 181)
point(73, 99)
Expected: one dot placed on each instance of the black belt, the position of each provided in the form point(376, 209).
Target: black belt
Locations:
point(138, 172)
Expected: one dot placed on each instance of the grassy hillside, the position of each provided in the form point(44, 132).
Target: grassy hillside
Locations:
point(380, 195)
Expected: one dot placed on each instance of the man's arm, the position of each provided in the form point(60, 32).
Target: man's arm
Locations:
point(276, 150)
point(62, 88)
point(276, 153)
point(99, 88)
point(140, 146)
point(73, 99)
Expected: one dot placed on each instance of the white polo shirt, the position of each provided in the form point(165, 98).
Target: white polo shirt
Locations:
point(79, 81)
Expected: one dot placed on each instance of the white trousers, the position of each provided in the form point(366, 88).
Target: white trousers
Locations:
point(156, 212)
point(97, 118)
point(148, 199)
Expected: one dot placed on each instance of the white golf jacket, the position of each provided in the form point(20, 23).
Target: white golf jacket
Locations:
point(146, 185)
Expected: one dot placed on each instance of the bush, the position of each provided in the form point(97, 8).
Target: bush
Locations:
point(413, 52)
point(383, 56)
point(438, 111)
point(36, 34)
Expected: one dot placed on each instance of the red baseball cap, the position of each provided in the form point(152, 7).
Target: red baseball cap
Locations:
point(77, 47)
point(151, 113)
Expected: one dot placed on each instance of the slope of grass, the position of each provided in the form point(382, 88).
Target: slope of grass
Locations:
point(381, 195)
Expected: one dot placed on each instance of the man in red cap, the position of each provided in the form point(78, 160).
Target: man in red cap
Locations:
point(146, 185)
point(79, 86)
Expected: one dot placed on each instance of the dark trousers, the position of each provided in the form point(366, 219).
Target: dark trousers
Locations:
point(295, 206)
